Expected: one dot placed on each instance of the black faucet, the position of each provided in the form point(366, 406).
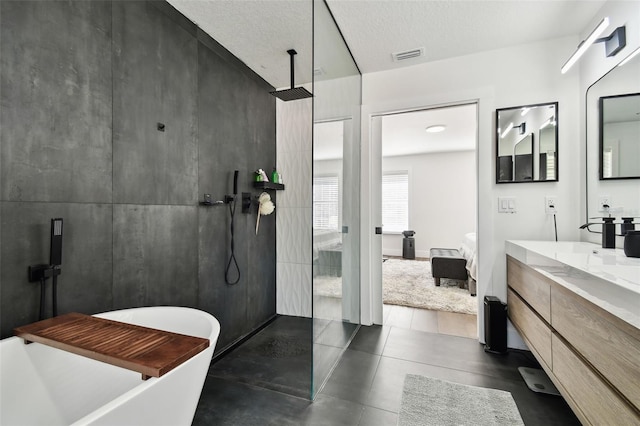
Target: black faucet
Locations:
point(608, 231)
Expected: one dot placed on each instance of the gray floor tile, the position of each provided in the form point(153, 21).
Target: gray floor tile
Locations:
point(324, 359)
point(425, 320)
point(365, 388)
point(376, 417)
point(352, 377)
point(329, 411)
point(226, 402)
point(278, 358)
point(370, 339)
point(448, 351)
point(399, 316)
point(336, 333)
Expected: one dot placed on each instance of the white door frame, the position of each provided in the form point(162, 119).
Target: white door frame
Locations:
point(371, 169)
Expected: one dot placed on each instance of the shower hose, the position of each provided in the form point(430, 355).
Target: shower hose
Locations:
point(232, 258)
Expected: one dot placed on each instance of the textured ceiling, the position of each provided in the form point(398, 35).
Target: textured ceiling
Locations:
point(376, 29)
point(259, 32)
point(405, 134)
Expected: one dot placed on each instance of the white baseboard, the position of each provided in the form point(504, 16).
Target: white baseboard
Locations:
point(398, 253)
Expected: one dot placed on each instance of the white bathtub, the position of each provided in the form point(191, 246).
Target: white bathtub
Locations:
point(40, 385)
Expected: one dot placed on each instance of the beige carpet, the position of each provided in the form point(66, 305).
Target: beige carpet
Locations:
point(409, 283)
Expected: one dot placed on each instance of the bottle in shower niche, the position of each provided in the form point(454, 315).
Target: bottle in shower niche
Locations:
point(275, 176)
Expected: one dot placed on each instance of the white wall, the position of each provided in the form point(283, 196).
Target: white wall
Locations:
point(526, 74)
point(624, 138)
point(442, 199)
point(293, 218)
point(592, 66)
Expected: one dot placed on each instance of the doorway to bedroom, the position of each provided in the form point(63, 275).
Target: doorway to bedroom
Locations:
point(428, 194)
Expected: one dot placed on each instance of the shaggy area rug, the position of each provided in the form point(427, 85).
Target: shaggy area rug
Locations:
point(428, 401)
point(409, 283)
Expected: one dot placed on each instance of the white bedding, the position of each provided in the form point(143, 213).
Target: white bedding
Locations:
point(468, 251)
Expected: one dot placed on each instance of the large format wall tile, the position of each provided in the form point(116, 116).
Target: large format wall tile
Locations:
point(155, 255)
point(155, 81)
point(85, 282)
point(236, 127)
point(56, 101)
point(262, 269)
point(150, 243)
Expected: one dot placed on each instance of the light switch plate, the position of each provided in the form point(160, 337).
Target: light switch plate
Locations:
point(507, 205)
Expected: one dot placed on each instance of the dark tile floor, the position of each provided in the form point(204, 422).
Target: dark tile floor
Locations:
point(365, 387)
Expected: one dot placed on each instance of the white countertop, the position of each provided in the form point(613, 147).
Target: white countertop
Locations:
point(605, 277)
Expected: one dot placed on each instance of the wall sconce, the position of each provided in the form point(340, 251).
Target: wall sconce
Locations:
point(613, 43)
point(522, 128)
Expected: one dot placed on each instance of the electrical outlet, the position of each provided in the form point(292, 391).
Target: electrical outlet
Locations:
point(550, 204)
point(604, 203)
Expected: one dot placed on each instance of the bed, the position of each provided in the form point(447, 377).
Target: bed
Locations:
point(468, 250)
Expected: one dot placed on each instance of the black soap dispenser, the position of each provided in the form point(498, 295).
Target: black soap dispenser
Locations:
point(608, 232)
point(632, 243)
point(627, 225)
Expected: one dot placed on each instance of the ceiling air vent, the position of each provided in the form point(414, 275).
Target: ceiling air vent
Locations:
point(408, 54)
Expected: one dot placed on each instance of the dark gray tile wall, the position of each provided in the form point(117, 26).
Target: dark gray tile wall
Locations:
point(56, 101)
point(155, 80)
point(83, 88)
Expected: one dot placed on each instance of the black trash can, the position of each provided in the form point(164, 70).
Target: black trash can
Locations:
point(408, 245)
point(495, 325)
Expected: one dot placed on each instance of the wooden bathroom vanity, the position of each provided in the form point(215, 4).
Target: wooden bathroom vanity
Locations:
point(577, 306)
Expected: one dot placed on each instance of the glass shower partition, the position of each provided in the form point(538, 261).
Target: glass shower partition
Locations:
point(337, 99)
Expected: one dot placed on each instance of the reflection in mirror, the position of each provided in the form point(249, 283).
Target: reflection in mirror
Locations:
point(621, 192)
point(519, 157)
point(620, 136)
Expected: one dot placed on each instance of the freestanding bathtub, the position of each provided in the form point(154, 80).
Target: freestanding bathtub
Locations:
point(40, 385)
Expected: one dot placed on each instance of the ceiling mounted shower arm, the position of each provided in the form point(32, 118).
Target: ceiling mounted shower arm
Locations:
point(292, 53)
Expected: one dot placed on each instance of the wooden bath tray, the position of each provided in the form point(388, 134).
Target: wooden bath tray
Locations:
point(148, 351)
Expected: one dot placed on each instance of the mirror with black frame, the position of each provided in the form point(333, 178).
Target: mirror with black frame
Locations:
point(527, 143)
point(620, 136)
point(606, 180)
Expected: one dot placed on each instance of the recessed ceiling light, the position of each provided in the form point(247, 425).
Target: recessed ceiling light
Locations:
point(435, 129)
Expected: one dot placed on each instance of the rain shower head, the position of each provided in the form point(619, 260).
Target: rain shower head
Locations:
point(294, 93)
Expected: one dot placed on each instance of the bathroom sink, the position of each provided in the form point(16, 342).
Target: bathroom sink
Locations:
point(606, 277)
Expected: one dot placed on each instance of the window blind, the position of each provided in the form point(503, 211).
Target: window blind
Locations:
point(395, 202)
point(325, 202)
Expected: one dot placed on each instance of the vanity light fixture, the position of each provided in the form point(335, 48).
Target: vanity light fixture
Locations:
point(630, 57)
point(435, 128)
point(507, 130)
point(585, 45)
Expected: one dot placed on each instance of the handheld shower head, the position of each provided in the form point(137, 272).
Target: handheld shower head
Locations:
point(55, 252)
point(235, 182)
